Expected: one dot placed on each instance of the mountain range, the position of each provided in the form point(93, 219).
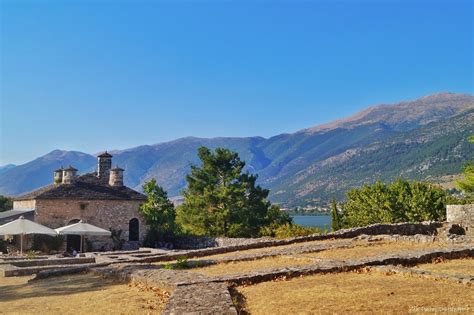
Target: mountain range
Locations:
point(424, 139)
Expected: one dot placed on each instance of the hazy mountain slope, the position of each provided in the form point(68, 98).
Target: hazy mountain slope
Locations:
point(170, 162)
point(439, 148)
point(293, 153)
point(405, 115)
point(5, 168)
point(380, 142)
point(39, 172)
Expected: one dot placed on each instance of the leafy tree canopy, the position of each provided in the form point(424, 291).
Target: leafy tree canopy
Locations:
point(223, 200)
point(6, 203)
point(467, 184)
point(158, 210)
point(400, 201)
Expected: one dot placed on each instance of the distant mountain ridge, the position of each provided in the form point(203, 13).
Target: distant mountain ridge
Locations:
point(424, 138)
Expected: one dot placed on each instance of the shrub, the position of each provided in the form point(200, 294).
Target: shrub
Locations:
point(181, 263)
point(290, 230)
point(30, 255)
point(400, 201)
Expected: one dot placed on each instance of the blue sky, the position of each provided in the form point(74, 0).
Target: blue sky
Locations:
point(95, 75)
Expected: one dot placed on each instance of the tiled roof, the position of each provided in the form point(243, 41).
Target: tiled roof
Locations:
point(10, 215)
point(85, 187)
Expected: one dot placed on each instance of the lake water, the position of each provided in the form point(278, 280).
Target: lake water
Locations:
point(321, 221)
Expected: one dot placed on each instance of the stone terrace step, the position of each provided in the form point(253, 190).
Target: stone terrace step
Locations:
point(53, 261)
point(13, 271)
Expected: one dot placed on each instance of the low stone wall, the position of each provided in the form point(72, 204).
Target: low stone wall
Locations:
point(51, 262)
point(206, 242)
point(460, 214)
point(425, 228)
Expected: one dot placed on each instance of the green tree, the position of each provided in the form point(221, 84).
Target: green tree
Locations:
point(6, 203)
point(158, 211)
point(467, 184)
point(336, 224)
point(223, 200)
point(400, 201)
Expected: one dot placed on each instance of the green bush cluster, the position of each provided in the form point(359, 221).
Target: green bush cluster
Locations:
point(181, 263)
point(400, 201)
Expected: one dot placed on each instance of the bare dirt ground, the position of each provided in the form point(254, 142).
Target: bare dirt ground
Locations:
point(351, 292)
point(77, 294)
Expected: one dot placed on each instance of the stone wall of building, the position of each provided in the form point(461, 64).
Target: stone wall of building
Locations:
point(107, 214)
point(460, 214)
point(24, 204)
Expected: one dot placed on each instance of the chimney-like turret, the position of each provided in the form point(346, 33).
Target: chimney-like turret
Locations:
point(69, 174)
point(104, 164)
point(58, 176)
point(116, 177)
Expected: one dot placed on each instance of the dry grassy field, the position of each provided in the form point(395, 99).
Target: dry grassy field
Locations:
point(76, 294)
point(270, 249)
point(365, 249)
point(251, 265)
point(451, 267)
point(351, 292)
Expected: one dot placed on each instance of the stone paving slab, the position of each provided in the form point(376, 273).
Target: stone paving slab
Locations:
point(13, 271)
point(206, 298)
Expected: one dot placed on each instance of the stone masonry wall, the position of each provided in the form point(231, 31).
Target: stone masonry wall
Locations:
point(460, 214)
point(106, 214)
point(424, 228)
point(24, 204)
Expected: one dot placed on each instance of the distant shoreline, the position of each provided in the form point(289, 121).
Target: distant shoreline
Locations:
point(315, 213)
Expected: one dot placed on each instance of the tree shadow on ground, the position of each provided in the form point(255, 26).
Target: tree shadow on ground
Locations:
point(56, 286)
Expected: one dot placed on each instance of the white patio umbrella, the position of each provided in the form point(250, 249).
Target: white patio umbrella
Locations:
point(22, 226)
point(83, 229)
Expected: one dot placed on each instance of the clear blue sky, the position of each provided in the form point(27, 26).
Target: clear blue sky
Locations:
point(95, 75)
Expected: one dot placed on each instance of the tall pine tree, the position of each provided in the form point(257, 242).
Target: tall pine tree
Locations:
point(223, 200)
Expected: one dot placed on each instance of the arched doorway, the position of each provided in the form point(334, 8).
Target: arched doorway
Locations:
point(133, 230)
point(73, 241)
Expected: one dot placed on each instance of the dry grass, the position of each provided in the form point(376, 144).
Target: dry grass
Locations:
point(451, 267)
point(269, 249)
point(241, 267)
point(349, 293)
point(364, 249)
point(77, 294)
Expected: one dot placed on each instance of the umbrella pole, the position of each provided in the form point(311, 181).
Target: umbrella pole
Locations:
point(82, 243)
point(21, 244)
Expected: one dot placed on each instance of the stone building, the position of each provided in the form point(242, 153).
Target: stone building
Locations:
point(98, 198)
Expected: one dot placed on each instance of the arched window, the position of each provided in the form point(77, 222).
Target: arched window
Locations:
point(133, 230)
